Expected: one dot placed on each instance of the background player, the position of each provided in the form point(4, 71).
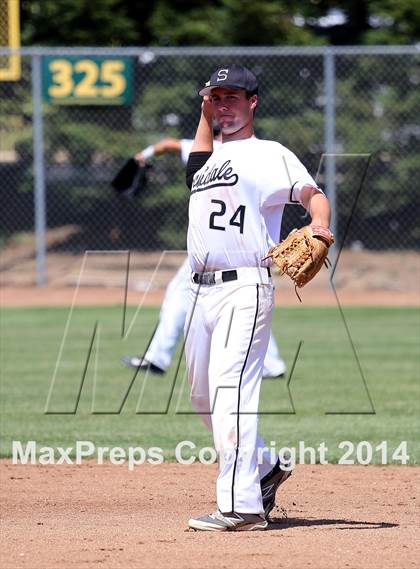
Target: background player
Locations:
point(238, 194)
point(173, 312)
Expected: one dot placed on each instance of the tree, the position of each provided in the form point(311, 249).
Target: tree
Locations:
point(376, 107)
point(70, 23)
point(221, 22)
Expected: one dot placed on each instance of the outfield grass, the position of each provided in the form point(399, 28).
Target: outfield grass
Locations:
point(327, 379)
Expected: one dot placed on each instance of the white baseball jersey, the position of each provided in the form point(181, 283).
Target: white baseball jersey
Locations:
point(237, 202)
point(236, 206)
point(187, 144)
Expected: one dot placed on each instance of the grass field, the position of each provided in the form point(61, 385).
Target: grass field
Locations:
point(355, 380)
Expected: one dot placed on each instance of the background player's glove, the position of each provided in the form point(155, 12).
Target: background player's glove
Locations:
point(302, 254)
point(130, 179)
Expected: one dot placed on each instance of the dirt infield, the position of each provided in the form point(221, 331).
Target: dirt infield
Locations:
point(90, 296)
point(106, 516)
point(361, 278)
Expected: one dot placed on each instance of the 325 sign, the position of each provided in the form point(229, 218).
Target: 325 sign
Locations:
point(88, 80)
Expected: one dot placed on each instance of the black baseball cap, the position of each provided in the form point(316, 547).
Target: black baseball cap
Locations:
point(233, 76)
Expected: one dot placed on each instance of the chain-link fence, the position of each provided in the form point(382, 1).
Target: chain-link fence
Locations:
point(351, 115)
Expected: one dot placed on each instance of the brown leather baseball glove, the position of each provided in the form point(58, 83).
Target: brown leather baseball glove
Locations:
point(302, 254)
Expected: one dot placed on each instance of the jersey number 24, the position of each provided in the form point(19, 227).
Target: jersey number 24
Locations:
point(237, 218)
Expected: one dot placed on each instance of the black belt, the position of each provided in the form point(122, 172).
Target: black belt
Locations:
point(210, 278)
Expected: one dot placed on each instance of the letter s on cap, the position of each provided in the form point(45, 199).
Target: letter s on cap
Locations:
point(222, 74)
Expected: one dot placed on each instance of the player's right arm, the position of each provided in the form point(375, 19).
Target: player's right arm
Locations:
point(161, 147)
point(203, 141)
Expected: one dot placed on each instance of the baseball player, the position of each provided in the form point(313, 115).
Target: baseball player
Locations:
point(238, 193)
point(173, 312)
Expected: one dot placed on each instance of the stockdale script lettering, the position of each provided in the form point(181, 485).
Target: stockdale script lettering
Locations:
point(223, 176)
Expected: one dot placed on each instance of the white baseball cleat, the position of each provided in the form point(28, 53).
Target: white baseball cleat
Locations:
point(142, 363)
point(230, 521)
point(274, 370)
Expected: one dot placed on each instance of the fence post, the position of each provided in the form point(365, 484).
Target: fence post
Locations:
point(329, 134)
point(39, 171)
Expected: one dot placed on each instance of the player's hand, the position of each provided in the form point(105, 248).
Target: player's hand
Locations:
point(140, 159)
point(207, 108)
point(323, 233)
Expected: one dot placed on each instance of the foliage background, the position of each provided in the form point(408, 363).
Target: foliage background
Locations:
point(376, 112)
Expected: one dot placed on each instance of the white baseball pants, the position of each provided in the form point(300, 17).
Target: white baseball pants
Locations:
point(171, 318)
point(171, 323)
point(227, 333)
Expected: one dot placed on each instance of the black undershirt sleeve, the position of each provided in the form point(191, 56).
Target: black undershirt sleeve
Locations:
point(196, 160)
